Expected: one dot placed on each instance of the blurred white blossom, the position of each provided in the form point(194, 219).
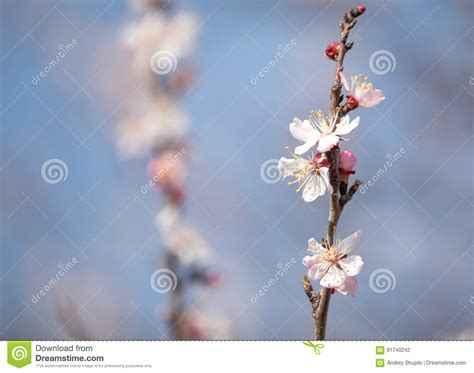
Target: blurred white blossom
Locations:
point(208, 324)
point(182, 239)
point(157, 32)
point(164, 122)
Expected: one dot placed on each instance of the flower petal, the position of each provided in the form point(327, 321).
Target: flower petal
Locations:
point(286, 166)
point(302, 130)
point(370, 98)
point(348, 243)
point(324, 173)
point(307, 145)
point(345, 82)
point(333, 278)
point(327, 142)
point(316, 266)
point(349, 287)
point(315, 247)
point(352, 265)
point(345, 126)
point(314, 188)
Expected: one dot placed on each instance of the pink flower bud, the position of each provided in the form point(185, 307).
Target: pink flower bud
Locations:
point(347, 162)
point(361, 9)
point(332, 50)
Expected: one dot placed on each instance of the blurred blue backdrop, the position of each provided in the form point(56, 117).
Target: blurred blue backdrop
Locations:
point(416, 218)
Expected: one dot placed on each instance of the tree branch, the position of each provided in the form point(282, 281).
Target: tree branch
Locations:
point(335, 205)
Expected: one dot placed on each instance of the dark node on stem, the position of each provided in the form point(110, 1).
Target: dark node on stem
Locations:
point(350, 193)
point(349, 45)
point(343, 187)
point(341, 98)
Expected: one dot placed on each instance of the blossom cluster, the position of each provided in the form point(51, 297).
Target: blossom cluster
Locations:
point(310, 169)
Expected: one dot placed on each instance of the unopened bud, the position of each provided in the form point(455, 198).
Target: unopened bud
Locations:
point(347, 162)
point(361, 9)
point(332, 50)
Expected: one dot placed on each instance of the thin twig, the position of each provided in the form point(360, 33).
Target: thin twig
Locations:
point(313, 297)
point(351, 192)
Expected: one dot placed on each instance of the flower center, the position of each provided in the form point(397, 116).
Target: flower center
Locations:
point(331, 256)
point(302, 171)
point(360, 83)
point(325, 124)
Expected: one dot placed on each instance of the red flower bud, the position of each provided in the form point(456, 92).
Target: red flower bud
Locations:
point(361, 9)
point(332, 50)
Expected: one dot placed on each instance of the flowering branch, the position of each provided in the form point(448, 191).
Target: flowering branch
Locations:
point(335, 207)
point(328, 171)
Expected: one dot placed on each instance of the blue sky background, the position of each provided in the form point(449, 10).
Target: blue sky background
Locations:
point(416, 219)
